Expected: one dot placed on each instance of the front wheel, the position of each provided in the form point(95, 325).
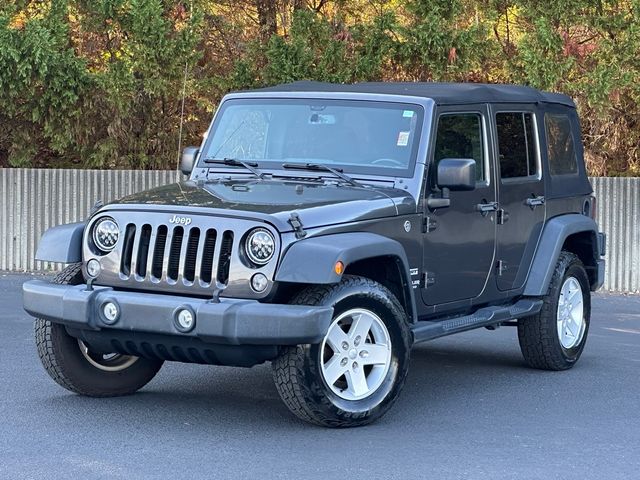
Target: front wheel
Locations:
point(554, 338)
point(355, 375)
point(77, 367)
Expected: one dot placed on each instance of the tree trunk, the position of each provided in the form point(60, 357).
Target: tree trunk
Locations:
point(267, 14)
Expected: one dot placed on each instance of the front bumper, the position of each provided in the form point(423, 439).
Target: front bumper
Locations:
point(229, 322)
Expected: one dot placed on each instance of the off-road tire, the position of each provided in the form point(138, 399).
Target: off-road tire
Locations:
point(538, 335)
point(297, 373)
point(62, 358)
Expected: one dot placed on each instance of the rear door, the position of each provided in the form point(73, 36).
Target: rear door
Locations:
point(521, 201)
point(459, 240)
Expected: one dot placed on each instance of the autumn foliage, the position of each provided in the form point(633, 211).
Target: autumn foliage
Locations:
point(100, 83)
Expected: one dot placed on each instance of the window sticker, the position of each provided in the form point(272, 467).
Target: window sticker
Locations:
point(403, 139)
point(408, 113)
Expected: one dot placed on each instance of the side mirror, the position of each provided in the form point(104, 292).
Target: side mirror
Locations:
point(457, 174)
point(188, 159)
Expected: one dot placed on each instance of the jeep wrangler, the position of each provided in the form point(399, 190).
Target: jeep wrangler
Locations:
point(328, 229)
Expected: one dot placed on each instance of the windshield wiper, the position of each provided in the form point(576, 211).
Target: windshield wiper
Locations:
point(323, 168)
point(251, 166)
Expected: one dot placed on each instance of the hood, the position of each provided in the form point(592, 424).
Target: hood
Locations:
point(317, 204)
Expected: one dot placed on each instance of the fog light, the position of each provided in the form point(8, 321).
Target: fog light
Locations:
point(259, 282)
point(110, 312)
point(185, 320)
point(93, 268)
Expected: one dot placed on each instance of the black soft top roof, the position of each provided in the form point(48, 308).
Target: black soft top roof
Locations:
point(441, 93)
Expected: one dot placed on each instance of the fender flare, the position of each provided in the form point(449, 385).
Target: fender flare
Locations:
point(62, 244)
point(555, 233)
point(312, 260)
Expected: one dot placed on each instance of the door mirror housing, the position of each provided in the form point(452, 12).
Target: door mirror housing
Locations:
point(457, 174)
point(188, 159)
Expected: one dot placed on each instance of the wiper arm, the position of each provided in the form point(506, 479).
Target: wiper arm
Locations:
point(323, 168)
point(251, 166)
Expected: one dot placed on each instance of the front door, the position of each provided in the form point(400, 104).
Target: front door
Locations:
point(459, 240)
point(521, 193)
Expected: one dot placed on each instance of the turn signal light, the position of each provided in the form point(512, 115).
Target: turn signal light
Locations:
point(339, 268)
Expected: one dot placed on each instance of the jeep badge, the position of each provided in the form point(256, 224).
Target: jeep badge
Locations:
point(176, 219)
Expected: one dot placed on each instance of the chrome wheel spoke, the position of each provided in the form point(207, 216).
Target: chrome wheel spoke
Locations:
point(357, 382)
point(374, 354)
point(360, 327)
point(573, 292)
point(336, 339)
point(333, 369)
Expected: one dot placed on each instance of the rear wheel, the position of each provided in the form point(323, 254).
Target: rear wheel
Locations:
point(555, 338)
point(77, 367)
point(355, 375)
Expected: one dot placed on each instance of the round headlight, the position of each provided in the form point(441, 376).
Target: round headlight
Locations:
point(260, 246)
point(105, 234)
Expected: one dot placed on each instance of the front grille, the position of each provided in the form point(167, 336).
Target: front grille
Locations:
point(175, 254)
point(194, 258)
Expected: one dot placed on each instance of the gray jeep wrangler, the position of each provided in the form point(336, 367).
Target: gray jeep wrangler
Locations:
point(328, 229)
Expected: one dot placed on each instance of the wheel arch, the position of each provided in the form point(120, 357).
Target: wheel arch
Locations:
point(575, 233)
point(370, 255)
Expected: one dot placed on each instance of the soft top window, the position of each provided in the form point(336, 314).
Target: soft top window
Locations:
point(560, 144)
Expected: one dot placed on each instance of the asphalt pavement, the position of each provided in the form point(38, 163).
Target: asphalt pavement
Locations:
point(470, 409)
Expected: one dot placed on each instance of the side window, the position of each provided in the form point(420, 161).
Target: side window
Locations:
point(460, 136)
point(516, 145)
point(560, 147)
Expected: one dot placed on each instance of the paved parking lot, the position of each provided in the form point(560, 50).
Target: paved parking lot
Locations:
point(470, 410)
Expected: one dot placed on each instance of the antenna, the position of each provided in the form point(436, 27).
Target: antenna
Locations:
point(184, 94)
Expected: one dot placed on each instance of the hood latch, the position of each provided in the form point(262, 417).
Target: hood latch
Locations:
point(296, 223)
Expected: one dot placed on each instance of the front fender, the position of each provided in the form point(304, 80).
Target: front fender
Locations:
point(61, 244)
point(312, 260)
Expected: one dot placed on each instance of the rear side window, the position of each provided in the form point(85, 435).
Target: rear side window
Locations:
point(460, 136)
point(560, 146)
point(516, 145)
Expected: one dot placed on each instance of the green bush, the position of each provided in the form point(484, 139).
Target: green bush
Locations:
point(99, 83)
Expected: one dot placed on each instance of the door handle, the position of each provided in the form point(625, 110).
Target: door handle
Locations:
point(486, 207)
point(534, 202)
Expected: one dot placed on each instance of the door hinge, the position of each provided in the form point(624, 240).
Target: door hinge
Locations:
point(428, 279)
point(502, 216)
point(501, 266)
point(429, 224)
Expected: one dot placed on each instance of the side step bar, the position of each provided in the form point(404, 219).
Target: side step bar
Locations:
point(484, 317)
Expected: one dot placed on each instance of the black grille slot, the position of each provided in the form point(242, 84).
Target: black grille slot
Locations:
point(206, 268)
point(174, 253)
point(192, 254)
point(158, 251)
point(225, 257)
point(127, 249)
point(143, 250)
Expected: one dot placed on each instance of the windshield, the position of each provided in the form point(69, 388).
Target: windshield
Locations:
point(351, 135)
